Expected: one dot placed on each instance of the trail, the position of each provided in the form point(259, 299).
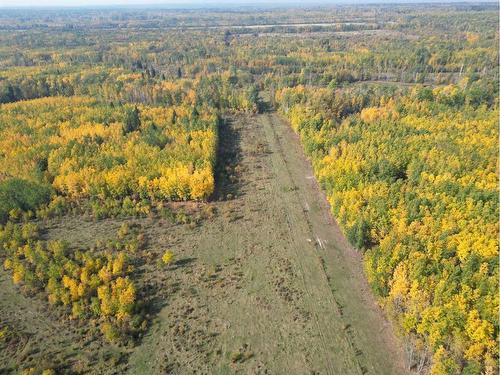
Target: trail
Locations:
point(288, 295)
point(339, 280)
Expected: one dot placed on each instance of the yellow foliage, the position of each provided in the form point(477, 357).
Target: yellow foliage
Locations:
point(414, 182)
point(167, 257)
point(88, 158)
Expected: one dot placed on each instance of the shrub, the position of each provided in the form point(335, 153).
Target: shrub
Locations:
point(167, 257)
point(110, 332)
point(18, 195)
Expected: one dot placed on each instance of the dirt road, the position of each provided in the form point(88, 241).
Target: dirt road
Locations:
point(270, 285)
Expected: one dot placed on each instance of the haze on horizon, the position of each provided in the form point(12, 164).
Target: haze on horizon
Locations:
point(199, 3)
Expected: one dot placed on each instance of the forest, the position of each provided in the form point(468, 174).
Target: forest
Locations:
point(119, 116)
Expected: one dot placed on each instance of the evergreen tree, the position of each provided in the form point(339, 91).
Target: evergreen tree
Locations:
point(132, 121)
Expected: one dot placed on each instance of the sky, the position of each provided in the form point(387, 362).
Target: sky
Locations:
point(14, 3)
point(177, 3)
point(187, 3)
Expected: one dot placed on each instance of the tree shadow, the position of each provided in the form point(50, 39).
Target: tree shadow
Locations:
point(184, 262)
point(265, 106)
point(228, 157)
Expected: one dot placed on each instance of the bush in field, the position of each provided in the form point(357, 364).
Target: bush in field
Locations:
point(167, 257)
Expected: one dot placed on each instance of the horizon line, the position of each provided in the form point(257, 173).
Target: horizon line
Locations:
point(197, 4)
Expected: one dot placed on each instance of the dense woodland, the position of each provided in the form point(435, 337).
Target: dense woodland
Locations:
point(114, 112)
point(413, 182)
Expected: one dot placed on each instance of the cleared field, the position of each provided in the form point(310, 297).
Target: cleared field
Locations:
point(283, 291)
point(267, 285)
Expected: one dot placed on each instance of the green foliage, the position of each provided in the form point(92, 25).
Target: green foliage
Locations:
point(19, 194)
point(359, 234)
point(132, 121)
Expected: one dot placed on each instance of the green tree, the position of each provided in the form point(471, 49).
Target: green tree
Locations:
point(132, 120)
